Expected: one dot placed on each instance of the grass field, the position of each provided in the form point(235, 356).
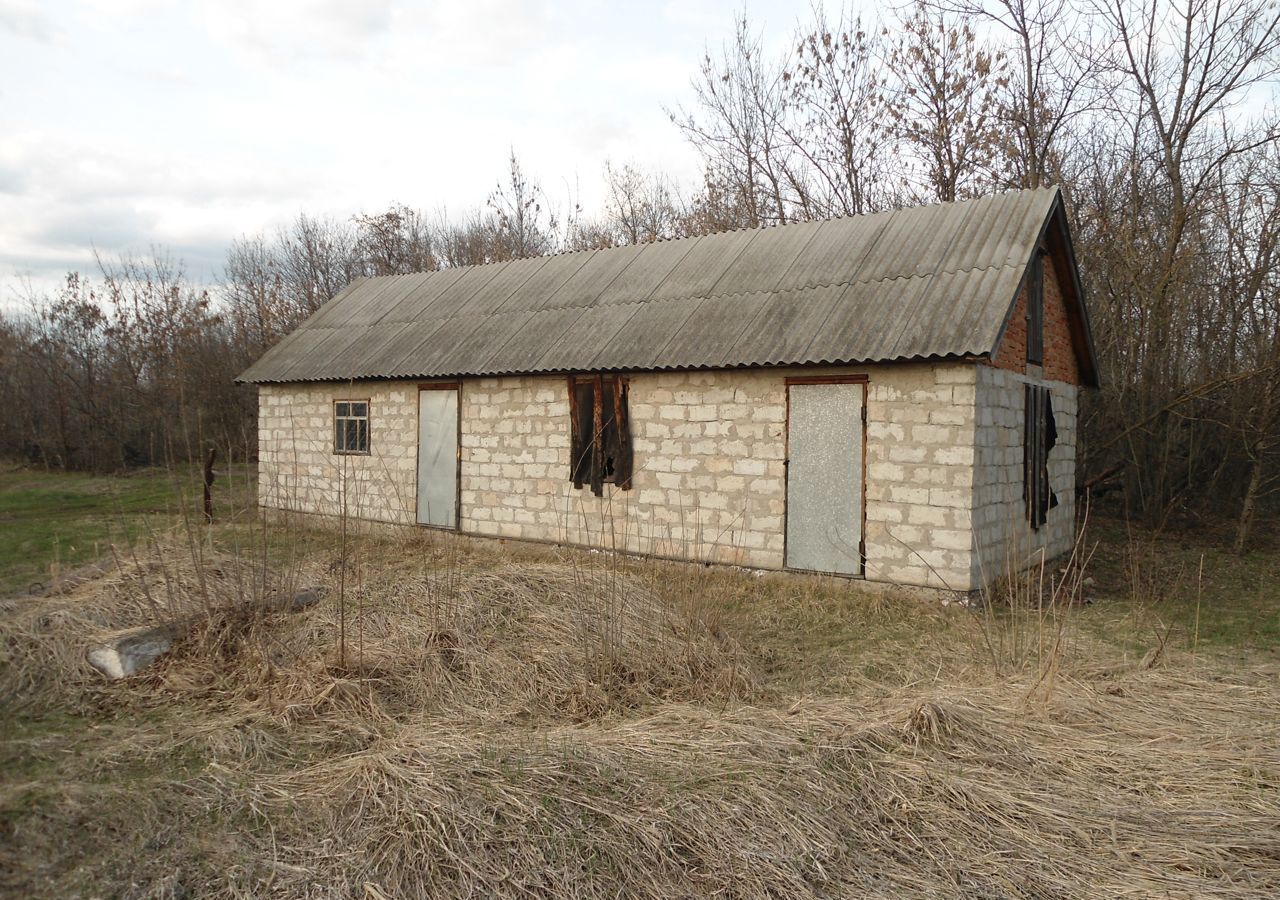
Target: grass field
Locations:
point(1194, 582)
point(473, 718)
point(54, 521)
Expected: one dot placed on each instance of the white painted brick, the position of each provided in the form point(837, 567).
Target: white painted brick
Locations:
point(961, 373)
point(884, 431)
point(927, 515)
point(900, 493)
point(947, 497)
point(885, 472)
point(908, 453)
point(768, 413)
point(886, 512)
point(932, 434)
point(950, 539)
point(953, 456)
point(971, 406)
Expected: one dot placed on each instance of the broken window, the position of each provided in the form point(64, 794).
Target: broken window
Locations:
point(351, 426)
point(600, 446)
point(1035, 311)
point(1040, 434)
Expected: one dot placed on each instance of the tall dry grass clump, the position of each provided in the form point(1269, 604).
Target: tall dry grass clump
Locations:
point(480, 639)
point(1163, 788)
point(204, 593)
point(479, 720)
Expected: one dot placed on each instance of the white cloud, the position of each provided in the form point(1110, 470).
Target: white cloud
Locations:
point(25, 19)
point(146, 122)
point(279, 32)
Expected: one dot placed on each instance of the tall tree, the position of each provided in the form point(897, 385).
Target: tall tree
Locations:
point(836, 104)
point(736, 126)
point(944, 103)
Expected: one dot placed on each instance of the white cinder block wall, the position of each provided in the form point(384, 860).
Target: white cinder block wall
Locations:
point(709, 475)
point(1003, 540)
point(298, 470)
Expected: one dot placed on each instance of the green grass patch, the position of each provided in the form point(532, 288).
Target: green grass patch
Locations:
point(52, 522)
point(1192, 585)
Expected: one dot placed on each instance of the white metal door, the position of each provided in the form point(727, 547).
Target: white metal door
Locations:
point(438, 457)
point(825, 477)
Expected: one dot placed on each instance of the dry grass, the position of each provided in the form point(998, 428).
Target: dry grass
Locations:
point(553, 724)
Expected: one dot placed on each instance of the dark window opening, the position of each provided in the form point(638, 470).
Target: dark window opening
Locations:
point(600, 445)
point(1035, 311)
point(1040, 435)
point(351, 426)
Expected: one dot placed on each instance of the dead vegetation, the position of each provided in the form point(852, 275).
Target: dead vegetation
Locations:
point(472, 720)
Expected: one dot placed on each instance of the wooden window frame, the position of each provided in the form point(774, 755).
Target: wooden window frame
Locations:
point(1039, 436)
point(587, 455)
point(1035, 310)
point(367, 418)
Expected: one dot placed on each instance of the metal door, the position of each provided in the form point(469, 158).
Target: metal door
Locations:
point(438, 457)
point(825, 437)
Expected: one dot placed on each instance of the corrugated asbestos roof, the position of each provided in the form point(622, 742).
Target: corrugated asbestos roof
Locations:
point(921, 283)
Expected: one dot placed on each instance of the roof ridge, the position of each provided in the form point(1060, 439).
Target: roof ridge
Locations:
point(936, 204)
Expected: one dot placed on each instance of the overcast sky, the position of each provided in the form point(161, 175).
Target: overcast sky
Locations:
point(127, 123)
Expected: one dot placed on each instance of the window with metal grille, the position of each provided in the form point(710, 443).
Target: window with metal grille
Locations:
point(600, 444)
point(1040, 434)
point(351, 426)
point(1035, 311)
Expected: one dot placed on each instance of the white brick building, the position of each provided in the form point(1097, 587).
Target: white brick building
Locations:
point(891, 397)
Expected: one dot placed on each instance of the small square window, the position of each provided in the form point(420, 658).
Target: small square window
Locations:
point(351, 427)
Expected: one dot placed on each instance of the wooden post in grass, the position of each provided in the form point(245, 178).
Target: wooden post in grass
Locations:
point(208, 485)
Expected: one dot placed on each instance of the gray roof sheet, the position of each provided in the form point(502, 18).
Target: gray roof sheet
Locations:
point(920, 283)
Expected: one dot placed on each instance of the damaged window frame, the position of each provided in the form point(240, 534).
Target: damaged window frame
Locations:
point(349, 438)
point(1040, 435)
point(600, 432)
point(1035, 310)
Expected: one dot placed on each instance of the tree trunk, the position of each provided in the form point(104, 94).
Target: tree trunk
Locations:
point(1250, 505)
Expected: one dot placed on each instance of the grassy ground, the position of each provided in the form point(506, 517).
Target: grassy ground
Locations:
point(55, 521)
point(1193, 583)
point(472, 718)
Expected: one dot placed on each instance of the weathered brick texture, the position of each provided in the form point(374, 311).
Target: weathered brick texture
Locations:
point(709, 479)
point(1060, 362)
point(297, 468)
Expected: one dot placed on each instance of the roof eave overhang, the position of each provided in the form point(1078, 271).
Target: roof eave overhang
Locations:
point(962, 358)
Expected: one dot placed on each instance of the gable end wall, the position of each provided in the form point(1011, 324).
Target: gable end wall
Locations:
point(1060, 363)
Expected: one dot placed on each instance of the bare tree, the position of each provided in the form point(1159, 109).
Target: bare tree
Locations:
point(397, 242)
point(945, 102)
point(524, 224)
point(640, 206)
point(736, 125)
point(1176, 77)
point(835, 118)
point(1052, 78)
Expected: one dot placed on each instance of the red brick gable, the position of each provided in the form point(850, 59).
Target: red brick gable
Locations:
point(1060, 363)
